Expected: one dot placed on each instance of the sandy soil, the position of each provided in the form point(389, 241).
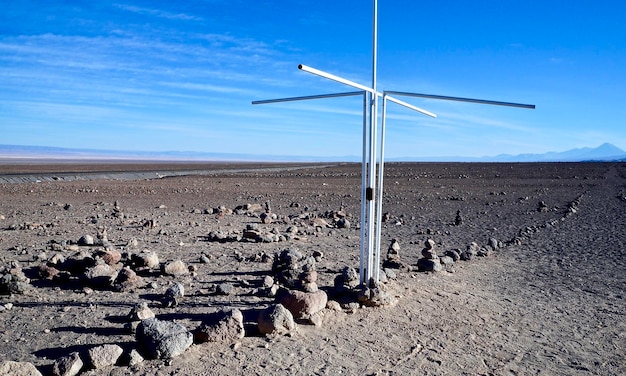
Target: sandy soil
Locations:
point(551, 302)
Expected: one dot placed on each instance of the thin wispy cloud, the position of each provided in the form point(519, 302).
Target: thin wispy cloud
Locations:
point(158, 13)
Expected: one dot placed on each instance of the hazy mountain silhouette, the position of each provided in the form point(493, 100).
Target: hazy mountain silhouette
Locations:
point(604, 152)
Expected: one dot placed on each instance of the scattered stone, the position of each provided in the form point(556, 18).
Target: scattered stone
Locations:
point(224, 289)
point(127, 280)
point(102, 275)
point(375, 295)
point(429, 265)
point(47, 272)
point(104, 356)
point(69, 365)
point(173, 295)
point(470, 252)
point(140, 312)
point(446, 261)
point(276, 319)
point(343, 223)
point(391, 274)
point(175, 268)
point(222, 326)
point(110, 256)
point(146, 259)
point(163, 339)
point(495, 243)
point(542, 207)
point(134, 358)
point(86, 240)
point(268, 281)
point(11, 368)
point(333, 305)
point(454, 254)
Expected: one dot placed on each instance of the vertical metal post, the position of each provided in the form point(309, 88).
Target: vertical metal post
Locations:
point(379, 198)
point(364, 221)
point(372, 150)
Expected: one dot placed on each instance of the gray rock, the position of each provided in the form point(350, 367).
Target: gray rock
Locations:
point(163, 339)
point(173, 295)
point(453, 253)
point(446, 261)
point(427, 265)
point(69, 365)
point(374, 295)
point(494, 243)
point(343, 223)
point(268, 281)
point(11, 368)
point(224, 289)
point(134, 358)
point(222, 326)
point(104, 355)
point(86, 240)
point(276, 319)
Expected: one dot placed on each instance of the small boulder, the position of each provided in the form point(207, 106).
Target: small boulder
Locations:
point(302, 304)
point(104, 355)
point(140, 312)
point(276, 319)
point(102, 275)
point(222, 326)
point(429, 265)
point(175, 268)
point(69, 365)
point(163, 339)
point(18, 369)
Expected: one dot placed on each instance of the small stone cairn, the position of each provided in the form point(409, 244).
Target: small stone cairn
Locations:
point(430, 261)
point(300, 295)
point(393, 257)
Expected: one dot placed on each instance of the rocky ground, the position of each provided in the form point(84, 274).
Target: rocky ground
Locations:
point(87, 251)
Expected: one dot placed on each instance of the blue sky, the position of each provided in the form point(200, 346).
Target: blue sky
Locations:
point(162, 76)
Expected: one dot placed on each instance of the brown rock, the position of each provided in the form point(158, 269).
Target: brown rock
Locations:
point(303, 304)
point(222, 326)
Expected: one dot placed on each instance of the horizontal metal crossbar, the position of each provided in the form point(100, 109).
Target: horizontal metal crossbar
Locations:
point(320, 96)
point(460, 99)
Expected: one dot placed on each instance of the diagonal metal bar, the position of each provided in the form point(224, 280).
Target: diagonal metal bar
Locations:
point(407, 105)
point(461, 99)
point(332, 77)
point(320, 96)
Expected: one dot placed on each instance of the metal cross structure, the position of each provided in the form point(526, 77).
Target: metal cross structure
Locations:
point(371, 198)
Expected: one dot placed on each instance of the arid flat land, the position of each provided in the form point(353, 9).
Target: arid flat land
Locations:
point(549, 301)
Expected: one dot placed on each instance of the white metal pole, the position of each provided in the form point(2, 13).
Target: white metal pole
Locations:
point(363, 193)
point(379, 199)
point(373, 142)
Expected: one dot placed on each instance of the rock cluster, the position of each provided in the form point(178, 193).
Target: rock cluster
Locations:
point(13, 280)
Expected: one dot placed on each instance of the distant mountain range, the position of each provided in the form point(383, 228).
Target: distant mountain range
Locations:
point(603, 153)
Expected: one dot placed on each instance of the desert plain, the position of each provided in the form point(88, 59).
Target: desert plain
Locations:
point(548, 300)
